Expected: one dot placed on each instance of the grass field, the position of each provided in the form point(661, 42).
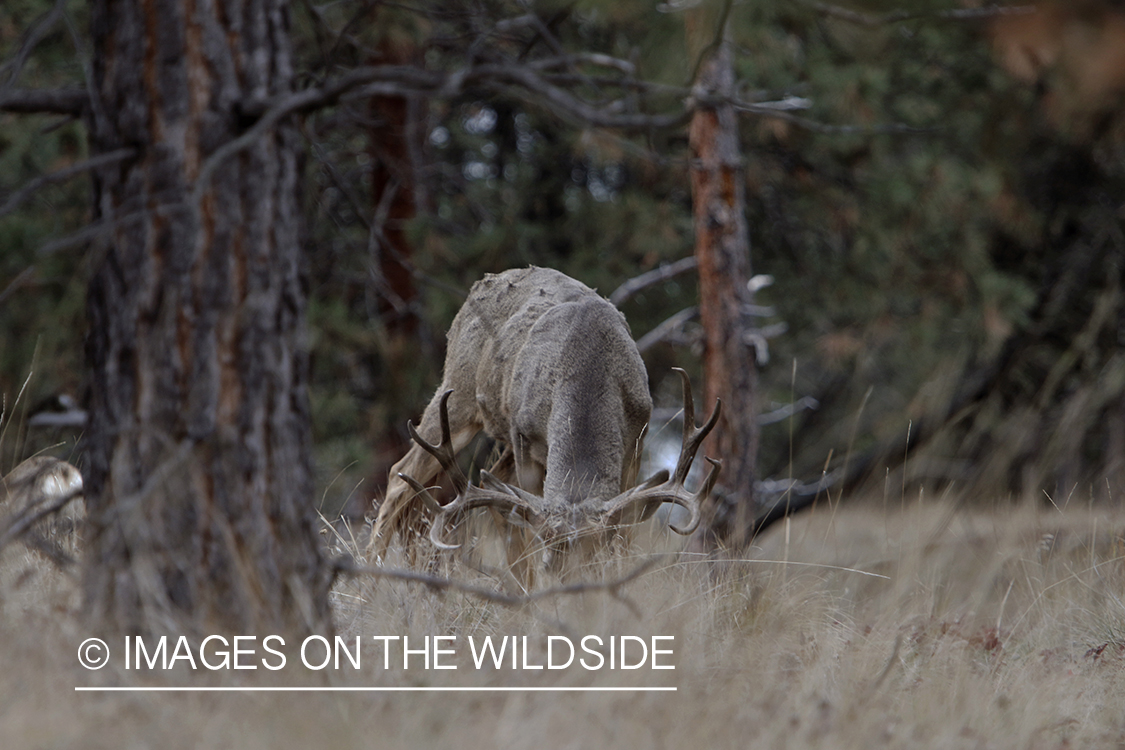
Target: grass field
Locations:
point(929, 625)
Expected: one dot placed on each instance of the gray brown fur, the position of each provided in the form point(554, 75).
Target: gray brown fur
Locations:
point(544, 364)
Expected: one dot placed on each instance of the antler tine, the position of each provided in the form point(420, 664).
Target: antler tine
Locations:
point(523, 498)
point(433, 505)
point(435, 534)
point(662, 489)
point(469, 496)
point(500, 495)
point(696, 502)
point(423, 492)
point(444, 452)
point(693, 436)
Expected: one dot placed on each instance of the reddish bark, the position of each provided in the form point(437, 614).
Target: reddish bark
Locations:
point(722, 248)
point(395, 148)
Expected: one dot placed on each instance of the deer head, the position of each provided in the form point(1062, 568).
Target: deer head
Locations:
point(545, 365)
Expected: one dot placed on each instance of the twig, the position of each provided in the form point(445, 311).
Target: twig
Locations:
point(543, 31)
point(34, 35)
point(16, 283)
point(815, 126)
point(93, 162)
point(95, 230)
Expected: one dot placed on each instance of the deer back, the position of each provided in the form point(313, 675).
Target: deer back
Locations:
point(555, 374)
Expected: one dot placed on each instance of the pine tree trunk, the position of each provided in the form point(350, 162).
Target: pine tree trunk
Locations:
point(395, 146)
point(722, 248)
point(200, 485)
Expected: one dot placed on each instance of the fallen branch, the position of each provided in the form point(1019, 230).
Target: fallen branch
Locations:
point(348, 566)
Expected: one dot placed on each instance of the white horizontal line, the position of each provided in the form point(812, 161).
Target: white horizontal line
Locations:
point(291, 689)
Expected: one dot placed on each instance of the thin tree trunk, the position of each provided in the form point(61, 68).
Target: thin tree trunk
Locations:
point(395, 150)
point(722, 248)
point(200, 485)
point(395, 146)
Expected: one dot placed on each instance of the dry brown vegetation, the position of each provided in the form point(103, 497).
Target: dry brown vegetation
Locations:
point(920, 625)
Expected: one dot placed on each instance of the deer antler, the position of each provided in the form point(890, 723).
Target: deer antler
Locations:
point(526, 508)
point(492, 492)
point(659, 488)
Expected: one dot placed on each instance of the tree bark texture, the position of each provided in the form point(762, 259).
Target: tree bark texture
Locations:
point(200, 484)
point(722, 249)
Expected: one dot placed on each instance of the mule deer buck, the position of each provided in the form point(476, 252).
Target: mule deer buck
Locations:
point(546, 366)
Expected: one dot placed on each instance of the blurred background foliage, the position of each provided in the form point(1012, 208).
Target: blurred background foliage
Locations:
point(943, 223)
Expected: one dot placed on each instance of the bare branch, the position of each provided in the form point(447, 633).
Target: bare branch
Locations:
point(651, 278)
point(83, 235)
point(782, 413)
point(815, 126)
point(65, 101)
point(788, 104)
point(593, 58)
point(666, 330)
point(93, 162)
point(400, 80)
point(896, 16)
point(96, 108)
point(91, 232)
point(545, 33)
point(523, 82)
point(16, 283)
point(519, 80)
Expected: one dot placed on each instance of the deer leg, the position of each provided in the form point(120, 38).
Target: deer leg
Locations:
point(518, 542)
point(530, 471)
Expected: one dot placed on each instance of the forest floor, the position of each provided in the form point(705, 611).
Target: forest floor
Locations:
point(926, 624)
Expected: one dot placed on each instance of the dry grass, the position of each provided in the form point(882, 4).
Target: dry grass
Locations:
point(928, 626)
